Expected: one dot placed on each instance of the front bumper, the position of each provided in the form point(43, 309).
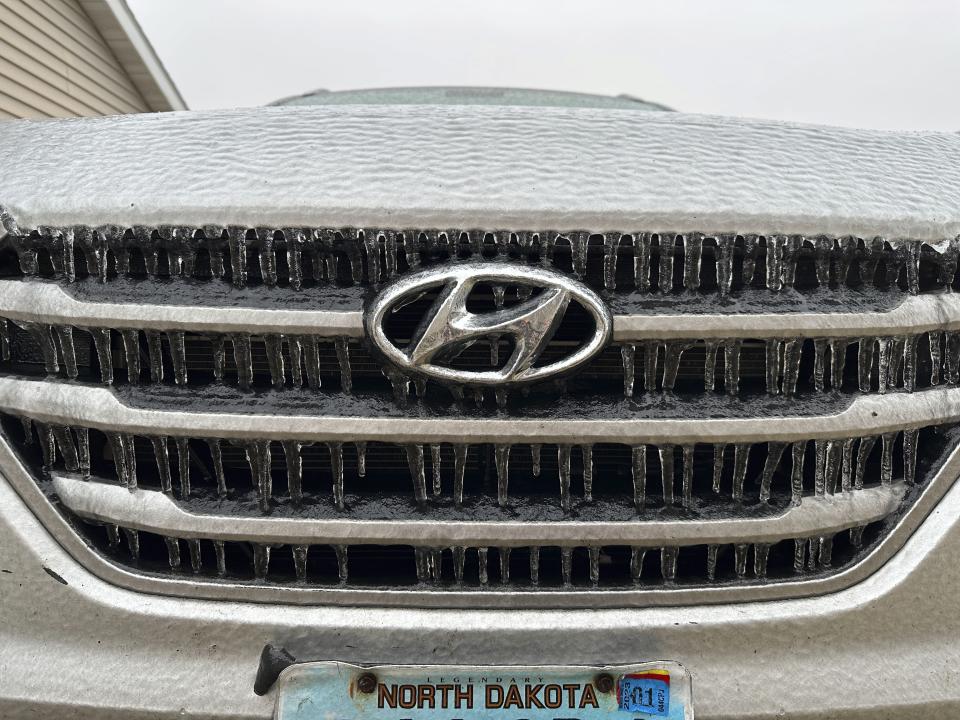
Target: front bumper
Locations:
point(79, 647)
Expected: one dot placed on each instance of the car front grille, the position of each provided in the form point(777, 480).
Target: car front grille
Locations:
point(202, 407)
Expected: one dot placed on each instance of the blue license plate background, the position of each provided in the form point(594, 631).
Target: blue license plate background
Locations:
point(328, 691)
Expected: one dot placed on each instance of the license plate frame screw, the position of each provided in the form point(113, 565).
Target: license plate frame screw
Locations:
point(367, 682)
point(604, 682)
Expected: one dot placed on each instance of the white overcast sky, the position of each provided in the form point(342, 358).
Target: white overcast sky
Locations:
point(869, 63)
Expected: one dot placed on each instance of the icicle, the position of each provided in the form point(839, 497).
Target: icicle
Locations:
point(566, 565)
point(883, 364)
point(535, 458)
point(863, 454)
point(417, 473)
point(792, 351)
point(823, 249)
point(237, 243)
point(274, 347)
point(587, 452)
point(687, 499)
point(731, 355)
point(819, 354)
point(219, 357)
point(162, 455)
point(718, 451)
point(637, 556)
point(709, 365)
point(361, 448)
point(48, 447)
point(67, 350)
point(155, 356)
point(774, 261)
point(501, 396)
point(196, 562)
point(535, 565)
point(671, 363)
point(342, 570)
point(400, 384)
point(741, 454)
point(838, 360)
point(258, 458)
point(133, 542)
point(856, 536)
point(311, 359)
point(459, 559)
point(791, 256)
point(761, 552)
point(183, 459)
point(668, 563)
point(913, 267)
point(594, 556)
point(294, 462)
point(910, 362)
point(459, 468)
point(846, 468)
point(131, 348)
point(173, 552)
point(799, 554)
point(773, 365)
point(217, 457)
point(897, 353)
point(798, 451)
point(935, 338)
point(641, 261)
point(69, 268)
point(886, 458)
point(692, 252)
point(179, 354)
point(4, 340)
point(639, 466)
point(712, 562)
point(650, 352)
point(482, 562)
point(294, 240)
point(668, 243)
point(499, 295)
point(725, 244)
point(740, 551)
point(834, 450)
point(611, 245)
point(578, 249)
point(826, 551)
point(336, 468)
point(243, 357)
point(563, 463)
point(27, 425)
point(820, 468)
point(113, 536)
point(371, 244)
point(300, 553)
point(666, 471)
point(848, 250)
point(261, 560)
point(343, 358)
point(435, 466)
point(411, 247)
point(865, 363)
point(83, 449)
point(627, 355)
point(910, 437)
point(953, 356)
point(774, 453)
point(423, 565)
point(504, 554)
point(750, 248)
point(68, 450)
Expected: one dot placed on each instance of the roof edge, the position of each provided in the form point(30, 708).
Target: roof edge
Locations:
point(123, 34)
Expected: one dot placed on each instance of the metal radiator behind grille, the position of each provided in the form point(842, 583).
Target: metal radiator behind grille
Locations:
point(205, 408)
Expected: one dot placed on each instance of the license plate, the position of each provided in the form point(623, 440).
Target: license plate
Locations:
point(338, 691)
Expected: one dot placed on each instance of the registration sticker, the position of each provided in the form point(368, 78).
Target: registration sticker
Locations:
point(338, 691)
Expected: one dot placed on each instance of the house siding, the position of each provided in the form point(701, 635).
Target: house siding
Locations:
point(54, 63)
